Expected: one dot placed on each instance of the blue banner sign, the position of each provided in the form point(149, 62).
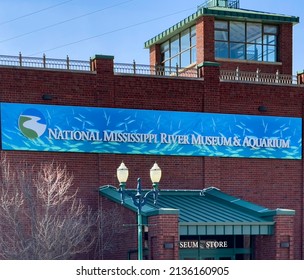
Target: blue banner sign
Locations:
point(33, 127)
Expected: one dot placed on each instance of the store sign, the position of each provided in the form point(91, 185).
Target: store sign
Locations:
point(203, 244)
point(127, 131)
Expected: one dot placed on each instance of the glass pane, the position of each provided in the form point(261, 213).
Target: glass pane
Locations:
point(193, 41)
point(272, 29)
point(185, 59)
point(185, 40)
point(270, 39)
point(243, 257)
point(237, 51)
point(270, 53)
point(193, 55)
point(221, 35)
point(165, 56)
point(164, 47)
point(193, 31)
point(237, 31)
point(221, 25)
point(254, 52)
point(193, 37)
point(174, 62)
point(175, 45)
point(254, 33)
point(221, 49)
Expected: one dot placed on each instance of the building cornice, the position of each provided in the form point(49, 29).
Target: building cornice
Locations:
point(224, 14)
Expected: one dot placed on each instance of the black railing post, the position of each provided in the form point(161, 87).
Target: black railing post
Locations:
point(68, 62)
point(44, 61)
point(20, 59)
point(134, 67)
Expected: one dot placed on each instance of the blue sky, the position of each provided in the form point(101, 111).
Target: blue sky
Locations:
point(83, 28)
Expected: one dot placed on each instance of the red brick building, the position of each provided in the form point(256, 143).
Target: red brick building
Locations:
point(232, 182)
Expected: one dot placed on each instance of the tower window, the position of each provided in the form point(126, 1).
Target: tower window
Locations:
point(180, 50)
point(246, 41)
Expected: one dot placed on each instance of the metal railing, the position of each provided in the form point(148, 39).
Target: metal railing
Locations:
point(258, 77)
point(44, 62)
point(233, 4)
point(158, 70)
point(191, 72)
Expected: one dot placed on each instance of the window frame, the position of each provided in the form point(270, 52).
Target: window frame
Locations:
point(267, 50)
point(179, 56)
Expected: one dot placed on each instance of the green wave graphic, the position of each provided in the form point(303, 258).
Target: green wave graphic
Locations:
point(29, 133)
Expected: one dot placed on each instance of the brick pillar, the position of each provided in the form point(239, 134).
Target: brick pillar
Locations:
point(155, 55)
point(205, 39)
point(210, 71)
point(285, 44)
point(164, 237)
point(300, 76)
point(103, 65)
point(284, 237)
point(280, 245)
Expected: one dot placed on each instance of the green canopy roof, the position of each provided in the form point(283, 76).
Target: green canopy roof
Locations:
point(207, 212)
point(221, 13)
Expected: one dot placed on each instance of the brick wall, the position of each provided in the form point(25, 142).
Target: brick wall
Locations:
point(162, 232)
point(269, 182)
point(281, 245)
point(262, 181)
point(123, 241)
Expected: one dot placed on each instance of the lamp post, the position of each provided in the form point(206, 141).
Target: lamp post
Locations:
point(139, 198)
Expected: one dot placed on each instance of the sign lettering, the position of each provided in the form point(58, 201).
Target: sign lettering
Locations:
point(126, 131)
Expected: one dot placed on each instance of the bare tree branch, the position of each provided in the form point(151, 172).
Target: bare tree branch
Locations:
point(40, 216)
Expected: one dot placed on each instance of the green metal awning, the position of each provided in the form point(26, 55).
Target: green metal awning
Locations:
point(207, 212)
point(221, 13)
